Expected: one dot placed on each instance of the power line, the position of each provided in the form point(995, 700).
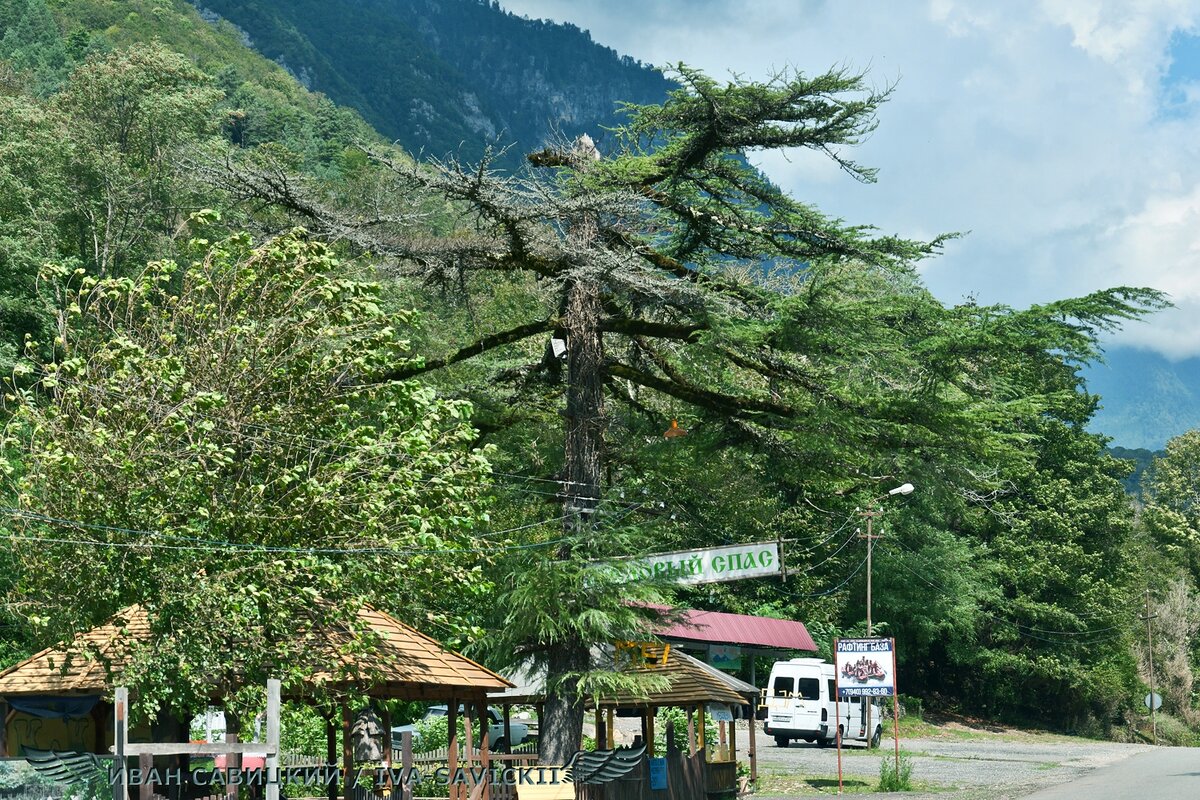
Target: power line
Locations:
point(196, 543)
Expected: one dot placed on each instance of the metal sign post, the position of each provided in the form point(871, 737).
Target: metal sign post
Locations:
point(837, 715)
point(866, 668)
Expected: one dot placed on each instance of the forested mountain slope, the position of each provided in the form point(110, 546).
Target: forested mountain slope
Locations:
point(449, 76)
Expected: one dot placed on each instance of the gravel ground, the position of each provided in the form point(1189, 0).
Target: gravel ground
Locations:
point(963, 767)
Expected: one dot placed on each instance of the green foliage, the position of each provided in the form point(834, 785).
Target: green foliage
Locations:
point(221, 430)
point(1172, 513)
point(302, 730)
point(893, 779)
point(594, 600)
point(679, 716)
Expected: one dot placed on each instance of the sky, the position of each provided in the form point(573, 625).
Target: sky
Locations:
point(1061, 135)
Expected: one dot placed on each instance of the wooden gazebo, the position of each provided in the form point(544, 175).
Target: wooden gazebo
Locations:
point(66, 690)
point(683, 682)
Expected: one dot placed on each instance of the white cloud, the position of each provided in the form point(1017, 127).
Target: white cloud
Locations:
point(1035, 124)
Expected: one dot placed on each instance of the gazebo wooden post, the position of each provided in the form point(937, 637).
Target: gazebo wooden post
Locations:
point(97, 720)
point(452, 755)
point(406, 762)
point(650, 714)
point(691, 725)
point(646, 729)
point(732, 741)
point(387, 747)
point(347, 754)
point(485, 756)
point(233, 761)
point(753, 751)
point(700, 732)
point(610, 729)
point(722, 741)
point(508, 745)
point(388, 744)
point(601, 743)
point(539, 709)
point(331, 755)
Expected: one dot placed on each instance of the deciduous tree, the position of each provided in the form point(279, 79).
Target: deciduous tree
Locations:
point(219, 442)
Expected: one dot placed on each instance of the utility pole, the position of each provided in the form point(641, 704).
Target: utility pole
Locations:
point(868, 731)
point(870, 536)
point(1150, 656)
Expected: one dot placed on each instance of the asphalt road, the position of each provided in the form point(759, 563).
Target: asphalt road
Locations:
point(956, 768)
point(1165, 772)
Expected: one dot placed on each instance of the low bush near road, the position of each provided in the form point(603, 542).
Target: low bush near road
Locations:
point(893, 779)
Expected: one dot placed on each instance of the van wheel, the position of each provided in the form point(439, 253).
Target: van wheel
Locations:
point(875, 737)
point(782, 741)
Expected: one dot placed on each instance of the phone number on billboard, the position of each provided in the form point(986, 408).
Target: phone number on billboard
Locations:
point(866, 691)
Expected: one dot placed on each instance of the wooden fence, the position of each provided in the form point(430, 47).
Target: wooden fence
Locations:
point(689, 777)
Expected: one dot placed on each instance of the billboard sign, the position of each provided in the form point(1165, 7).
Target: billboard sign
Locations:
point(709, 565)
point(865, 667)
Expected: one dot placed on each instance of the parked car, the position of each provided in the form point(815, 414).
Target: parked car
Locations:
point(496, 738)
point(400, 730)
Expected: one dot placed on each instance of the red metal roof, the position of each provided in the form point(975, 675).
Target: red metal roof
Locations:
point(720, 628)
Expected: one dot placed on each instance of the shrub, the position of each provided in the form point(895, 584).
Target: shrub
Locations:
point(892, 779)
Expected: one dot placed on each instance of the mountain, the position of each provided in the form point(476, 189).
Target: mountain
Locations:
point(1145, 398)
point(447, 76)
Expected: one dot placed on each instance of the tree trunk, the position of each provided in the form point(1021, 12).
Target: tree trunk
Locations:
point(561, 728)
point(585, 403)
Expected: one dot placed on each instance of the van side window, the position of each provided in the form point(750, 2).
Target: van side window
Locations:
point(809, 688)
point(784, 687)
point(832, 690)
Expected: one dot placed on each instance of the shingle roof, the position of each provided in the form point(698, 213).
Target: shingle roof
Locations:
point(405, 664)
point(83, 666)
point(689, 683)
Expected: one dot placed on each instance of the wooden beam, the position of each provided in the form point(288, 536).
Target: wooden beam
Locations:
point(452, 756)
point(691, 725)
point(206, 749)
point(484, 756)
point(650, 714)
point(469, 753)
point(233, 729)
point(406, 762)
point(732, 741)
point(508, 742)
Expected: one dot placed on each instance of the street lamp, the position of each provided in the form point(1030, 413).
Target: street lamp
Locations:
point(902, 489)
point(905, 488)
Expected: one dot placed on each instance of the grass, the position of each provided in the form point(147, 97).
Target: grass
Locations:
point(959, 728)
point(794, 785)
